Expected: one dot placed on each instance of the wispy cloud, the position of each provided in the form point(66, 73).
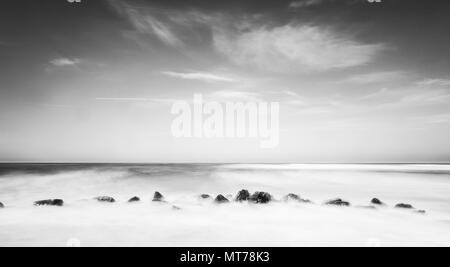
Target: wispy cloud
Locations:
point(199, 76)
point(374, 77)
point(249, 41)
point(234, 95)
point(433, 118)
point(121, 99)
point(293, 47)
point(418, 94)
point(434, 83)
point(65, 62)
point(305, 3)
point(147, 22)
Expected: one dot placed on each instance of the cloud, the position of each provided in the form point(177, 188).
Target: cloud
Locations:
point(293, 48)
point(228, 95)
point(251, 41)
point(305, 3)
point(418, 94)
point(199, 76)
point(374, 77)
point(433, 118)
point(121, 99)
point(65, 62)
point(146, 21)
point(434, 83)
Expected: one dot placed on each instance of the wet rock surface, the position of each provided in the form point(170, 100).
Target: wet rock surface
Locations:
point(221, 199)
point(376, 201)
point(158, 197)
point(205, 196)
point(50, 202)
point(338, 202)
point(105, 199)
point(1, 205)
point(243, 195)
point(261, 198)
point(134, 199)
point(296, 198)
point(404, 206)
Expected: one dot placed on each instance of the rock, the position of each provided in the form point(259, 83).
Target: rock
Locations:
point(261, 198)
point(243, 195)
point(1, 205)
point(176, 208)
point(105, 199)
point(50, 202)
point(134, 199)
point(376, 201)
point(421, 211)
point(404, 206)
point(338, 202)
point(294, 197)
point(221, 199)
point(158, 197)
point(205, 196)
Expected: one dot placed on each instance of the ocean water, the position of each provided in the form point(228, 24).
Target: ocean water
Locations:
point(86, 222)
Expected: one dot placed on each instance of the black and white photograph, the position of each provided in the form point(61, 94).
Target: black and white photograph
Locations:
point(251, 124)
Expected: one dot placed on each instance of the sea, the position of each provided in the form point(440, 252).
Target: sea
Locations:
point(185, 219)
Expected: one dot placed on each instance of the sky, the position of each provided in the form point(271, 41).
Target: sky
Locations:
point(95, 81)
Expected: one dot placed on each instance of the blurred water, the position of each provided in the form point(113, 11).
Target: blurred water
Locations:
point(202, 223)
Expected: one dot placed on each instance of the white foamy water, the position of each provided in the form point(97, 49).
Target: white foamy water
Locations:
point(83, 221)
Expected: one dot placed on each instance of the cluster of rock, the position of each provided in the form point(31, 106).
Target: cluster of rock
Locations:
point(242, 196)
point(50, 202)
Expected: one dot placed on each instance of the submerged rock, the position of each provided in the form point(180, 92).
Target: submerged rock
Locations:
point(261, 198)
point(50, 202)
point(105, 199)
point(221, 199)
point(421, 211)
point(338, 202)
point(243, 195)
point(294, 197)
point(134, 199)
point(158, 197)
point(404, 206)
point(176, 208)
point(376, 201)
point(205, 196)
point(1, 205)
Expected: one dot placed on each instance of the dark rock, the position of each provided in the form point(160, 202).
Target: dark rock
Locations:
point(376, 201)
point(134, 199)
point(338, 202)
point(105, 199)
point(243, 195)
point(158, 197)
point(261, 198)
point(221, 199)
point(294, 197)
point(50, 202)
point(404, 206)
point(421, 211)
point(1, 205)
point(205, 196)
